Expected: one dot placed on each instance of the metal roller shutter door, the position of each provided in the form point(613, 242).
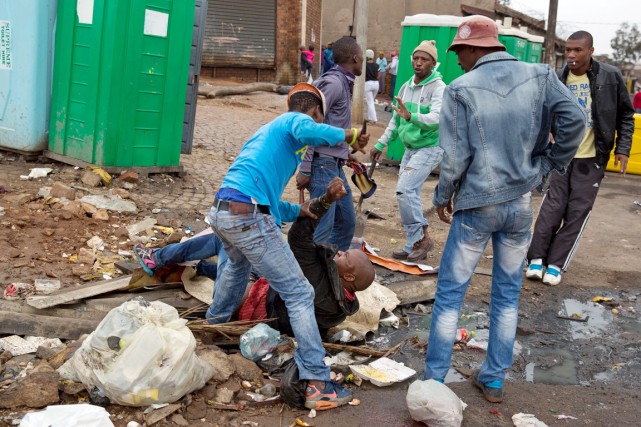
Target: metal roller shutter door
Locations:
point(240, 33)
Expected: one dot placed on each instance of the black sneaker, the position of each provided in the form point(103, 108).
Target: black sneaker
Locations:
point(491, 394)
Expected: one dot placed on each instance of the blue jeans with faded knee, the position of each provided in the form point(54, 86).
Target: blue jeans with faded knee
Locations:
point(337, 226)
point(416, 167)
point(508, 224)
point(255, 240)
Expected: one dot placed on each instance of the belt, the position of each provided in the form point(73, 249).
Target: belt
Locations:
point(326, 156)
point(240, 208)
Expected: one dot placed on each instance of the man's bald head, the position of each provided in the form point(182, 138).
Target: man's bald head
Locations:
point(355, 269)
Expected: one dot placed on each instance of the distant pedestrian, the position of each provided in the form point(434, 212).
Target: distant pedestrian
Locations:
point(371, 85)
point(328, 56)
point(392, 69)
point(381, 61)
point(636, 102)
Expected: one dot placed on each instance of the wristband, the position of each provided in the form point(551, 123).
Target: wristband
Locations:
point(323, 202)
point(354, 138)
point(305, 173)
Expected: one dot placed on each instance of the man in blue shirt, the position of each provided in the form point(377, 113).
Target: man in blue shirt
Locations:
point(247, 215)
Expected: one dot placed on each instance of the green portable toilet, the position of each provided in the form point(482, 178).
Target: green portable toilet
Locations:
point(534, 49)
point(515, 42)
point(120, 82)
point(416, 28)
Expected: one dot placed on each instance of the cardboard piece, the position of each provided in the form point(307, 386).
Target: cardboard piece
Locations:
point(383, 372)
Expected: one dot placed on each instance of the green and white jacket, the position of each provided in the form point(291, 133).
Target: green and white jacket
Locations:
point(423, 101)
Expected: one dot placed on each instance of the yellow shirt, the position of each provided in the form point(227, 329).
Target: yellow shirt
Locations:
point(580, 87)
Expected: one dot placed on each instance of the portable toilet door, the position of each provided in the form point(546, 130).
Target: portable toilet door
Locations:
point(193, 81)
point(534, 49)
point(515, 42)
point(26, 57)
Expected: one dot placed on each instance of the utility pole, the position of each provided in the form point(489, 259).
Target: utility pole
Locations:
point(550, 34)
point(360, 25)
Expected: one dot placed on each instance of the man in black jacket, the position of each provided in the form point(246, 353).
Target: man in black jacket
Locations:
point(602, 93)
point(335, 275)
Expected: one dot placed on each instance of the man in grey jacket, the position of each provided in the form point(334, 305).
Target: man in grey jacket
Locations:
point(600, 90)
point(494, 129)
point(321, 164)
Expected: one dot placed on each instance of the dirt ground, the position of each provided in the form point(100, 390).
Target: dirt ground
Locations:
point(589, 370)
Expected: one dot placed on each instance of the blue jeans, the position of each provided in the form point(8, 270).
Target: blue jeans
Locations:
point(392, 85)
point(416, 167)
point(508, 224)
point(194, 249)
point(338, 225)
point(255, 240)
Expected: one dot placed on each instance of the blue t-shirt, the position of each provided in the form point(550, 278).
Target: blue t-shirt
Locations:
point(269, 159)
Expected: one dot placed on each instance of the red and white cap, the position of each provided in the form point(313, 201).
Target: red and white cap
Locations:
point(306, 87)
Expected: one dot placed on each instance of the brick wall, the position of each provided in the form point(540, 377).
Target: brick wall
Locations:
point(288, 38)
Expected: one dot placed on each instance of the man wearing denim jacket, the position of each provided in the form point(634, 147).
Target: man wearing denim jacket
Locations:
point(494, 129)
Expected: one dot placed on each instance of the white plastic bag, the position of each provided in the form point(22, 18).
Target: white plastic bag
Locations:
point(81, 415)
point(141, 353)
point(434, 404)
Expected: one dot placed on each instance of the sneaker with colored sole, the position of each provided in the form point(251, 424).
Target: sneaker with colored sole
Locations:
point(552, 276)
point(491, 394)
point(331, 397)
point(534, 271)
point(145, 258)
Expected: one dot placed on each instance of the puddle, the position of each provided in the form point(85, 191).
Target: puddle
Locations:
point(562, 369)
point(454, 376)
point(598, 321)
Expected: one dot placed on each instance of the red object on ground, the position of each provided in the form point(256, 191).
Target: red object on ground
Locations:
point(254, 307)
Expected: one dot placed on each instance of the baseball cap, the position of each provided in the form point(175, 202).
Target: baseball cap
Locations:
point(479, 31)
point(306, 87)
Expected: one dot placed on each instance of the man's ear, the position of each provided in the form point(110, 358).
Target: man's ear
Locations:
point(348, 277)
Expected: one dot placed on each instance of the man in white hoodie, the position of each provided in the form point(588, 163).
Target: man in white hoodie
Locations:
point(415, 123)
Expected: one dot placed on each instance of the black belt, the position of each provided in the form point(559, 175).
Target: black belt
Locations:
point(240, 208)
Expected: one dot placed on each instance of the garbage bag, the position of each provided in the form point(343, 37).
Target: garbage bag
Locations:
point(258, 341)
point(80, 415)
point(434, 404)
point(141, 353)
point(292, 388)
point(274, 363)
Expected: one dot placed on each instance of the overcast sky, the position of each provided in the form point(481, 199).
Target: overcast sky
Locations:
point(600, 18)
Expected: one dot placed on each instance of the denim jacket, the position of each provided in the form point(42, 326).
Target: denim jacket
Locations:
point(494, 130)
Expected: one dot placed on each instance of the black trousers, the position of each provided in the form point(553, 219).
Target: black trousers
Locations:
point(564, 213)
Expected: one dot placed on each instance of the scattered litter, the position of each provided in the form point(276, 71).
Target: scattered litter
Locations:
point(141, 226)
point(104, 176)
point(434, 403)
point(392, 241)
point(17, 345)
point(341, 336)
point(344, 358)
point(47, 286)
point(1, 211)
point(566, 417)
point(527, 420)
point(79, 415)
point(301, 423)
point(38, 173)
point(480, 344)
point(391, 320)
point(258, 341)
point(18, 290)
point(383, 372)
point(124, 253)
point(421, 308)
point(96, 243)
point(111, 203)
point(355, 402)
point(312, 414)
point(250, 423)
point(601, 299)
point(164, 230)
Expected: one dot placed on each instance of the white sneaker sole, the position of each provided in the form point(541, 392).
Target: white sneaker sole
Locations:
point(551, 280)
point(534, 274)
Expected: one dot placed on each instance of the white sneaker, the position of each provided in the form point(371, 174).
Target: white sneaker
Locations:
point(552, 276)
point(534, 271)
